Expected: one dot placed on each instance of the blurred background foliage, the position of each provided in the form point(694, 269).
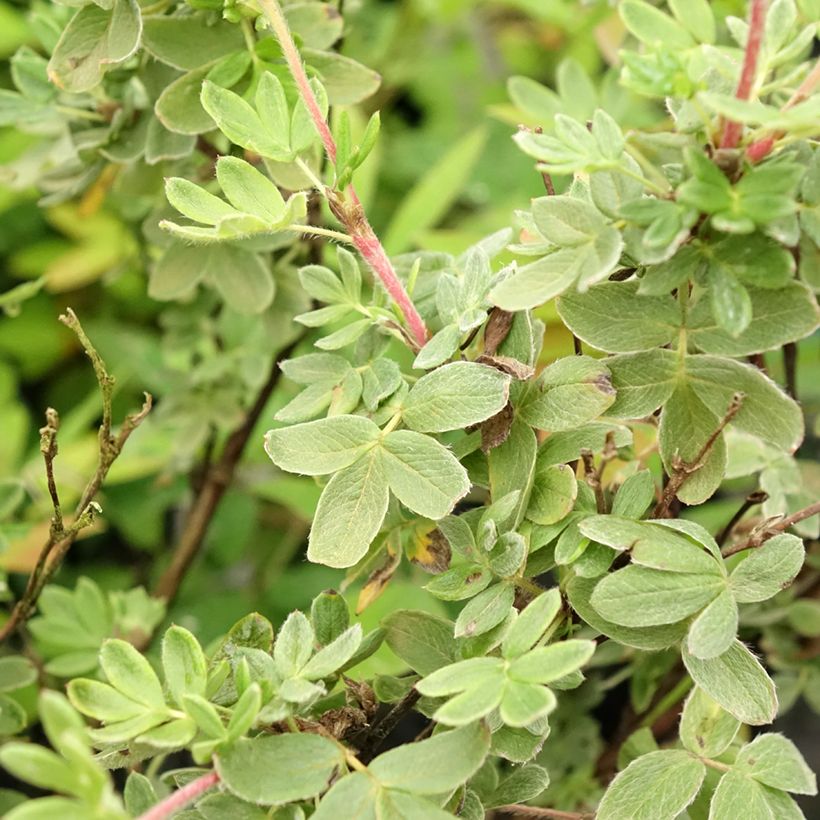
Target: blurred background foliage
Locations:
point(444, 174)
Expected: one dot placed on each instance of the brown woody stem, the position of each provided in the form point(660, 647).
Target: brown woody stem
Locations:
point(61, 537)
point(772, 528)
point(681, 470)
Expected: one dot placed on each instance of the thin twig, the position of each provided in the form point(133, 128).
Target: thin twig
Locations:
point(790, 368)
point(62, 537)
point(682, 470)
point(771, 528)
point(757, 22)
point(214, 484)
point(751, 500)
point(181, 797)
point(347, 207)
point(382, 728)
point(48, 447)
point(594, 475)
point(536, 811)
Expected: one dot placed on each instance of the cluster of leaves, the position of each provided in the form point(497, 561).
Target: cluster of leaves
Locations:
point(556, 507)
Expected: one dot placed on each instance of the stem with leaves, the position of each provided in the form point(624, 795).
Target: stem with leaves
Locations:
point(771, 528)
point(682, 470)
point(346, 205)
point(61, 537)
point(732, 131)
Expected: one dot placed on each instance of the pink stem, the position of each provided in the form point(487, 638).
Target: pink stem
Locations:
point(762, 147)
point(757, 20)
point(354, 218)
point(181, 797)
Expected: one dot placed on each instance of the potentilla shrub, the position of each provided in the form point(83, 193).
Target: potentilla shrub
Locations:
point(555, 508)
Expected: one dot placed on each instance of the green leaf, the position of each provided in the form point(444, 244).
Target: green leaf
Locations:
point(737, 682)
point(423, 474)
point(523, 703)
point(634, 495)
point(511, 467)
point(651, 638)
point(767, 570)
point(335, 655)
point(642, 382)
point(553, 493)
point(40, 767)
point(567, 221)
point(488, 609)
point(686, 426)
point(186, 671)
point(433, 195)
point(245, 711)
point(274, 769)
point(425, 642)
point(241, 278)
point(605, 317)
point(731, 302)
point(455, 396)
point(525, 783)
point(656, 786)
point(240, 123)
point(173, 735)
point(350, 512)
point(549, 663)
point(248, 190)
point(323, 446)
point(434, 766)
point(329, 616)
point(775, 761)
point(294, 645)
point(354, 795)
point(767, 412)
point(568, 393)
point(139, 794)
point(189, 42)
point(93, 41)
point(101, 701)
point(714, 630)
point(129, 672)
point(531, 623)
point(778, 317)
point(640, 596)
point(697, 17)
point(738, 796)
point(706, 729)
point(16, 672)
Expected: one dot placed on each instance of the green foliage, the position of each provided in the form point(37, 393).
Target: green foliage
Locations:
point(522, 433)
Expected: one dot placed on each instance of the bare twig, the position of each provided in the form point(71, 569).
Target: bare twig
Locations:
point(61, 537)
point(214, 484)
point(347, 208)
point(181, 797)
point(771, 528)
point(382, 728)
point(593, 475)
point(751, 500)
point(757, 21)
point(790, 368)
point(536, 811)
point(682, 470)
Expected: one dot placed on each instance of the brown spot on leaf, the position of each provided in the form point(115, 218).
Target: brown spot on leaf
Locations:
point(495, 430)
point(509, 365)
point(431, 551)
point(496, 329)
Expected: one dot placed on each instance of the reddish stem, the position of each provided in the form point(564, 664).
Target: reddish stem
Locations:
point(181, 797)
point(763, 147)
point(351, 215)
point(757, 20)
